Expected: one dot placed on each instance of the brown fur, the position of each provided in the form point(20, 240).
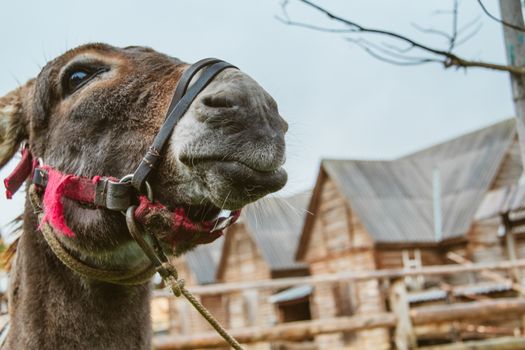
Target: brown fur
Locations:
point(12, 124)
point(104, 128)
point(8, 255)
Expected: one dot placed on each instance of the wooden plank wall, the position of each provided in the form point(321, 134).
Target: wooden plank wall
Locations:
point(511, 167)
point(339, 242)
point(245, 263)
point(484, 243)
point(392, 258)
point(184, 319)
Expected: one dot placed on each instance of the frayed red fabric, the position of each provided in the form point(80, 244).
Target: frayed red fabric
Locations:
point(61, 186)
point(52, 202)
point(19, 175)
point(175, 226)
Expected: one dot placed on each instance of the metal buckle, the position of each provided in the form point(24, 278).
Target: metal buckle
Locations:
point(149, 190)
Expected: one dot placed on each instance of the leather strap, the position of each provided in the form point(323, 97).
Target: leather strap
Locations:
point(180, 107)
point(186, 78)
point(103, 192)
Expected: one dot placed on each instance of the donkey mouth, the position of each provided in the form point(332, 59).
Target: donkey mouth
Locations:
point(233, 184)
point(203, 212)
point(245, 175)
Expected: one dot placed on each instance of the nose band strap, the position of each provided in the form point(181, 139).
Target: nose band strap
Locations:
point(179, 105)
point(186, 78)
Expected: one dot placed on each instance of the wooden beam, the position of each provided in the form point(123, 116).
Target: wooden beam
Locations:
point(511, 246)
point(441, 270)
point(506, 343)
point(293, 331)
point(404, 335)
point(297, 331)
point(486, 272)
point(479, 310)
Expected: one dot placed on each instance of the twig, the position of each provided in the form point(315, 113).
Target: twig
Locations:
point(491, 16)
point(431, 31)
point(453, 37)
point(396, 58)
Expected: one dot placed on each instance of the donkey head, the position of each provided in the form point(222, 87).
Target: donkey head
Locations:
point(96, 109)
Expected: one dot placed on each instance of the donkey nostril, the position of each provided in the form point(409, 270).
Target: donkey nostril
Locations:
point(214, 101)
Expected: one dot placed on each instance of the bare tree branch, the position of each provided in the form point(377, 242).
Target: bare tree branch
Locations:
point(470, 24)
point(432, 31)
point(387, 55)
point(286, 19)
point(445, 57)
point(458, 36)
point(469, 36)
point(314, 27)
point(491, 16)
point(454, 35)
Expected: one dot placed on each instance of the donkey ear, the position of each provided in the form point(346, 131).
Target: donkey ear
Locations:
point(13, 121)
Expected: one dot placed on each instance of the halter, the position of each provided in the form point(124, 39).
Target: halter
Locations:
point(103, 192)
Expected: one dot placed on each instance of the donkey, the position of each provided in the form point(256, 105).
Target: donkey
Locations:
point(94, 111)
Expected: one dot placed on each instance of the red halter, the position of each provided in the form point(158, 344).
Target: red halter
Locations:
point(56, 186)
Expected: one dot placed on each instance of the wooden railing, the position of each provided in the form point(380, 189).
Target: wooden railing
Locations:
point(436, 270)
point(403, 319)
point(297, 331)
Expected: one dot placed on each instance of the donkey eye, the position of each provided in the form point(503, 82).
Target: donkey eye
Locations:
point(75, 79)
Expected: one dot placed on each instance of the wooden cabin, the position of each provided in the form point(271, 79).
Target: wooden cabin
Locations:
point(502, 210)
point(262, 246)
point(405, 213)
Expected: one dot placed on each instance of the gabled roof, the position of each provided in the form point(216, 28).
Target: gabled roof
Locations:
point(274, 224)
point(204, 260)
point(502, 201)
point(394, 199)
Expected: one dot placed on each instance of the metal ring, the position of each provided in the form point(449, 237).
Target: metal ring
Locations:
point(149, 190)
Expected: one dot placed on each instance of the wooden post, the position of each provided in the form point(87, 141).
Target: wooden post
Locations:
point(404, 338)
point(515, 49)
point(414, 264)
point(184, 316)
point(511, 247)
point(251, 304)
point(451, 299)
point(172, 310)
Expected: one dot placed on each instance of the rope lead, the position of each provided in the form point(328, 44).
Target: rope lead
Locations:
point(169, 275)
point(159, 263)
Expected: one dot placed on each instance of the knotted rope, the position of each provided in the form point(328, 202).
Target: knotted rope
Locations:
point(169, 274)
point(136, 276)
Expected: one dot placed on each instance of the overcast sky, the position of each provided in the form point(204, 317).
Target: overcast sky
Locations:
point(340, 102)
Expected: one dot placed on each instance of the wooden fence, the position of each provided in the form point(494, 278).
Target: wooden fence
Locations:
point(402, 319)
